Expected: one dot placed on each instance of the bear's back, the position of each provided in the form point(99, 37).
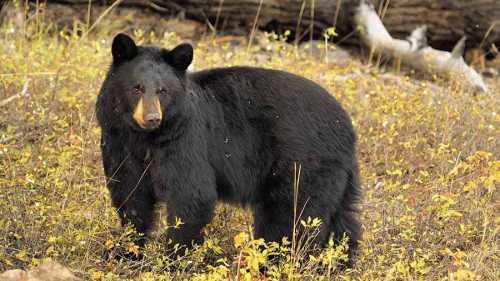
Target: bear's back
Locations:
point(295, 111)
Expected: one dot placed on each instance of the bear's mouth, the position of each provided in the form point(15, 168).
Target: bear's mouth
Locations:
point(140, 128)
point(149, 128)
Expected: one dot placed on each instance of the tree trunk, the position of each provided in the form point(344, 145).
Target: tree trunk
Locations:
point(447, 20)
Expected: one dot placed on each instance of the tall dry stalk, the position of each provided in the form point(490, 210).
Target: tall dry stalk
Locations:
point(297, 28)
point(216, 24)
point(252, 33)
point(302, 241)
point(296, 182)
point(311, 27)
point(337, 12)
point(101, 17)
point(89, 6)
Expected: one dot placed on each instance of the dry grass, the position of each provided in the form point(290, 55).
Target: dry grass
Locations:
point(428, 153)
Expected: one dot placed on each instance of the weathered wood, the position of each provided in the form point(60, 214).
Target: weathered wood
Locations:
point(448, 20)
point(414, 51)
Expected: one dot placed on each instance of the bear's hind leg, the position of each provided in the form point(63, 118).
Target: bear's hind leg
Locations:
point(344, 219)
point(273, 222)
point(346, 224)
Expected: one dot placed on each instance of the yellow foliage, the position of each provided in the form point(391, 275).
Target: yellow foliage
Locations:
point(241, 239)
point(428, 154)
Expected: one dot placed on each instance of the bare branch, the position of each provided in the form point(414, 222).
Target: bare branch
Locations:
point(23, 93)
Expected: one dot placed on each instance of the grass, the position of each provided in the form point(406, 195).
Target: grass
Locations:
point(428, 152)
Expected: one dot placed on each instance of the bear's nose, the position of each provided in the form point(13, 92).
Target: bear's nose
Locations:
point(153, 120)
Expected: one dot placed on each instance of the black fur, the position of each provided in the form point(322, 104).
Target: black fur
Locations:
point(230, 134)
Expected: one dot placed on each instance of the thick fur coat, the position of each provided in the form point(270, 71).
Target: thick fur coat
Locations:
point(230, 134)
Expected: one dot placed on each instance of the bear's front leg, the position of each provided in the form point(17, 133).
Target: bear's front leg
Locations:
point(190, 193)
point(129, 184)
point(136, 207)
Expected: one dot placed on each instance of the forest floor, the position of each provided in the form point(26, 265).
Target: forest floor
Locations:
point(428, 153)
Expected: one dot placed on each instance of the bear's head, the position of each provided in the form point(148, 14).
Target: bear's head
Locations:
point(147, 81)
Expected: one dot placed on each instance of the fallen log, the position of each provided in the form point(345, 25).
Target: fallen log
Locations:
point(447, 20)
point(414, 50)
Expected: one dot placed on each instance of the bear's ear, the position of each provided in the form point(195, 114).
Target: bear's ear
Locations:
point(123, 48)
point(180, 57)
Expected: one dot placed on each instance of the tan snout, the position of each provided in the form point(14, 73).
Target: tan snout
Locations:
point(147, 112)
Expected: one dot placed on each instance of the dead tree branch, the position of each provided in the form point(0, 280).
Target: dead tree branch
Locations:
point(23, 93)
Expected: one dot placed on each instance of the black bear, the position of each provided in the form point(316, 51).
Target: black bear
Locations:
point(230, 134)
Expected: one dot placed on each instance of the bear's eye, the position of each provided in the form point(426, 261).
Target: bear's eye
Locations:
point(138, 89)
point(162, 91)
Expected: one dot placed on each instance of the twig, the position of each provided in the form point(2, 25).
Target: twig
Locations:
point(297, 28)
point(157, 8)
point(337, 12)
point(8, 139)
point(490, 29)
point(219, 9)
point(109, 9)
point(311, 27)
point(23, 93)
point(252, 33)
point(27, 74)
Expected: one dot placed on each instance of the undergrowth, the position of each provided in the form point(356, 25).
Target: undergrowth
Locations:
point(428, 152)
